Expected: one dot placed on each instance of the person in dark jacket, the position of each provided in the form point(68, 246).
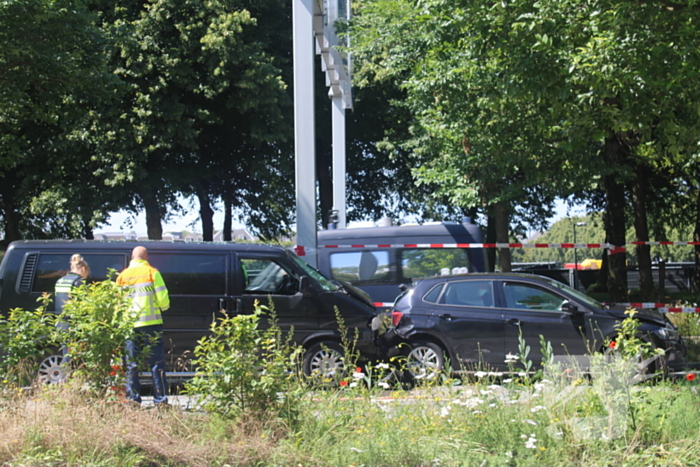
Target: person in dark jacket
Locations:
point(79, 271)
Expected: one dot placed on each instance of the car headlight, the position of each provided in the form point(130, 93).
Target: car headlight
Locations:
point(668, 334)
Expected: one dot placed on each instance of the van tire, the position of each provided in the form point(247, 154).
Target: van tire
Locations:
point(53, 370)
point(425, 360)
point(324, 361)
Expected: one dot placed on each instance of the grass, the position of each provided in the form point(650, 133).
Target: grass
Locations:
point(484, 424)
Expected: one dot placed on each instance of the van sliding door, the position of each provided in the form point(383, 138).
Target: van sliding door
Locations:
point(198, 287)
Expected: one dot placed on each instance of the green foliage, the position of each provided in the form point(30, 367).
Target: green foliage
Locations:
point(246, 371)
point(25, 338)
point(629, 343)
point(99, 325)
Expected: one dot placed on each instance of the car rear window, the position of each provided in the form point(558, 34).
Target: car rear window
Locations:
point(468, 293)
point(434, 294)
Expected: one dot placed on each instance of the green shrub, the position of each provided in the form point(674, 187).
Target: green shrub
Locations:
point(26, 337)
point(244, 370)
point(99, 325)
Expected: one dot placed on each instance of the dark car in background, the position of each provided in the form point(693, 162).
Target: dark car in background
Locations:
point(475, 321)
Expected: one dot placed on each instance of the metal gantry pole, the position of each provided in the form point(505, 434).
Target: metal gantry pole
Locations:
point(304, 127)
point(338, 118)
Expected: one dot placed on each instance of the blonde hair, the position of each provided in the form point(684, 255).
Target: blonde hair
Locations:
point(78, 265)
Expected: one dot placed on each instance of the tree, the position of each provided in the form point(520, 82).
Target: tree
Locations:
point(52, 73)
point(204, 87)
point(545, 98)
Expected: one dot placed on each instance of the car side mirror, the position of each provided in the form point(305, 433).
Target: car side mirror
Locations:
point(305, 285)
point(569, 307)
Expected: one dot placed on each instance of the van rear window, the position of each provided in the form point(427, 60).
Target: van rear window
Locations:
point(52, 266)
point(361, 267)
point(429, 262)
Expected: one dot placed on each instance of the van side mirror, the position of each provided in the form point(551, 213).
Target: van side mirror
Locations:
point(569, 307)
point(305, 285)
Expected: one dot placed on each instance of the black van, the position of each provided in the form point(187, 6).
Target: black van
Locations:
point(379, 259)
point(203, 278)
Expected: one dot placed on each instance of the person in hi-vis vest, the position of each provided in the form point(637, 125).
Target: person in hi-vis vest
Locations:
point(149, 298)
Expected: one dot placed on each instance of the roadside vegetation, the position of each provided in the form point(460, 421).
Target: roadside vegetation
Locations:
point(264, 412)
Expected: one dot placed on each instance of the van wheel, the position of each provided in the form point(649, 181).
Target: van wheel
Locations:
point(52, 370)
point(425, 361)
point(324, 361)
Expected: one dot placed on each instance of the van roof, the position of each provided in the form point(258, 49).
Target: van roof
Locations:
point(427, 233)
point(151, 245)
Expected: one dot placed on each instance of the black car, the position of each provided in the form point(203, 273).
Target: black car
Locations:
point(475, 320)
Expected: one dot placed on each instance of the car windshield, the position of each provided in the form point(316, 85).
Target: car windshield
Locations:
point(326, 283)
point(579, 295)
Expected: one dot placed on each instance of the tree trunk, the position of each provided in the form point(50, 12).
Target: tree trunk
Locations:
point(502, 230)
point(490, 238)
point(228, 221)
point(11, 218)
point(207, 215)
point(696, 237)
point(153, 215)
point(614, 218)
point(641, 229)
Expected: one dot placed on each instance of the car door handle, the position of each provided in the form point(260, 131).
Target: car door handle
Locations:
point(222, 304)
point(446, 317)
point(513, 321)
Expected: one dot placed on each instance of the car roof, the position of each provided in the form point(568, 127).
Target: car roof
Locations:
point(484, 275)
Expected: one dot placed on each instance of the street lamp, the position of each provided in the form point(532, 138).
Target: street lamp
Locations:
point(576, 224)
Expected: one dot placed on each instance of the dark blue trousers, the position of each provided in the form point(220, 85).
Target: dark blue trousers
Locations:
point(146, 339)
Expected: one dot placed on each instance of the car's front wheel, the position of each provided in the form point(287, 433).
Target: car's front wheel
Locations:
point(324, 361)
point(425, 360)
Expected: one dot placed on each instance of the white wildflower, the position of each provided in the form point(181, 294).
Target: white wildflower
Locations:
point(382, 366)
point(509, 454)
point(358, 375)
point(485, 392)
point(510, 358)
point(356, 450)
point(445, 411)
point(508, 380)
point(353, 385)
point(537, 408)
point(383, 384)
point(480, 374)
point(493, 404)
point(530, 443)
point(531, 422)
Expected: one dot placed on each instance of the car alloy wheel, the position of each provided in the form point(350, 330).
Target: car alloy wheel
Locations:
point(425, 360)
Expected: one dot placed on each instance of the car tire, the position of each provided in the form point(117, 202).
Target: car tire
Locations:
point(425, 360)
point(324, 361)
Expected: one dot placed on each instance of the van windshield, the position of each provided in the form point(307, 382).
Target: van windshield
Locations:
point(317, 276)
